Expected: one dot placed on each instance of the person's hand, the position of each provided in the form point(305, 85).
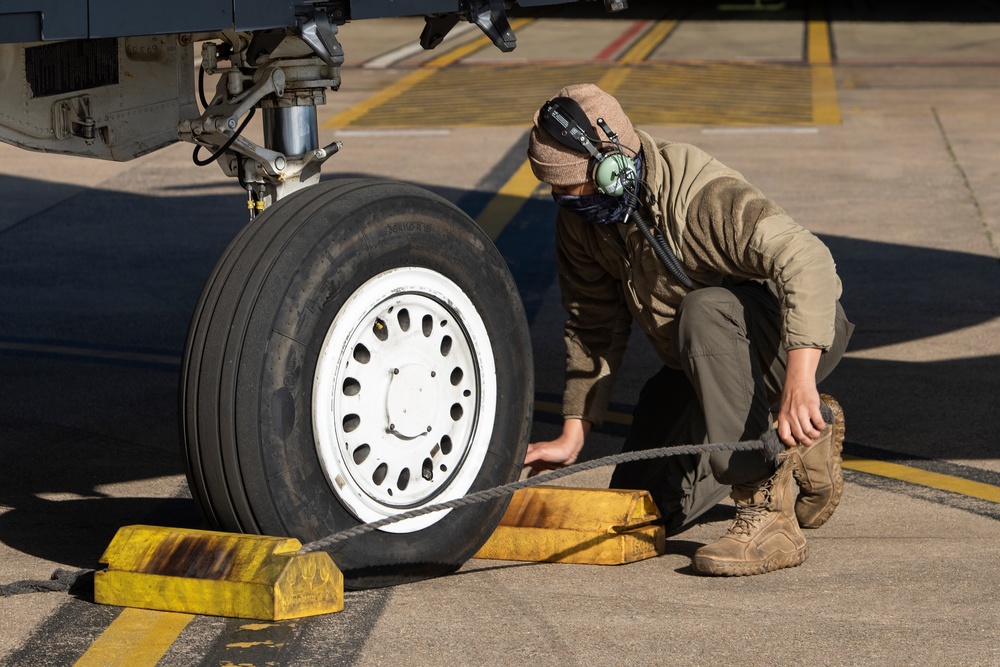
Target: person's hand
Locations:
point(558, 453)
point(800, 421)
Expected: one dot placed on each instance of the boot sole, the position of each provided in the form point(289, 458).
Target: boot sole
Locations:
point(837, 443)
point(708, 566)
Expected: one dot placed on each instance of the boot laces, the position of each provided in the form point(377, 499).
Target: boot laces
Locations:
point(749, 513)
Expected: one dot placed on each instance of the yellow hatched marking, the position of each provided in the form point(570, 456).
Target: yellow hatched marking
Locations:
point(413, 78)
point(478, 95)
point(934, 480)
point(718, 94)
point(613, 80)
point(651, 93)
point(137, 638)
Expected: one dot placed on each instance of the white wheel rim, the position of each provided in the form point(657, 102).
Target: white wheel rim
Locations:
point(404, 396)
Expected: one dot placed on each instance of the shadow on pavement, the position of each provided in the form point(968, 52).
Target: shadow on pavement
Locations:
point(125, 277)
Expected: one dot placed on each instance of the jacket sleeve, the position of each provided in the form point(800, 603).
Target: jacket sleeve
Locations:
point(598, 325)
point(733, 229)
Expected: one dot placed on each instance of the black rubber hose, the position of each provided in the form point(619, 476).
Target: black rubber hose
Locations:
point(659, 244)
point(225, 146)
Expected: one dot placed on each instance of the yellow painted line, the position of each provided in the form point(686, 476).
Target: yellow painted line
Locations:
point(934, 480)
point(826, 108)
point(418, 75)
point(137, 638)
point(818, 40)
point(508, 201)
point(610, 417)
point(648, 43)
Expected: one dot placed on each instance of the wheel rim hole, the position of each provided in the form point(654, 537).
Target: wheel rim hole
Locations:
point(427, 325)
point(466, 393)
point(352, 422)
point(403, 318)
point(456, 376)
point(403, 480)
point(361, 354)
point(446, 445)
point(379, 475)
point(351, 387)
point(427, 470)
point(361, 454)
point(380, 330)
point(456, 412)
point(445, 346)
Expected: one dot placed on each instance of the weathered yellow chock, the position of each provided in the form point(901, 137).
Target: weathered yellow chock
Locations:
point(218, 574)
point(571, 525)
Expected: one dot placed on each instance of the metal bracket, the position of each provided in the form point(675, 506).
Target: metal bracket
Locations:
point(298, 170)
point(436, 28)
point(71, 118)
point(320, 33)
point(491, 17)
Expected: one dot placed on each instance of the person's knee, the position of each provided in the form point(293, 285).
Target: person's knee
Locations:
point(743, 467)
point(706, 315)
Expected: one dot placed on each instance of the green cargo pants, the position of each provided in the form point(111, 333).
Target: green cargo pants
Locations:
point(728, 343)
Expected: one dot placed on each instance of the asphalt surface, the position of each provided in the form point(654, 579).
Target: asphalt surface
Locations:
point(101, 265)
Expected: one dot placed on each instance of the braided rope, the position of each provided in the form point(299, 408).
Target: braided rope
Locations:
point(63, 580)
point(769, 444)
point(60, 582)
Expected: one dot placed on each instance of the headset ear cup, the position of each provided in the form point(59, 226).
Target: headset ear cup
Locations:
point(613, 172)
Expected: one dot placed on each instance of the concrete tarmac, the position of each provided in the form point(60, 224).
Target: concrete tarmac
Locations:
point(101, 265)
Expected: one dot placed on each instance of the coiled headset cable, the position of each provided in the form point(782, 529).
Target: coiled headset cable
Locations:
point(659, 244)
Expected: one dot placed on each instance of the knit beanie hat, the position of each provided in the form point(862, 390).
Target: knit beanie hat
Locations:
point(554, 163)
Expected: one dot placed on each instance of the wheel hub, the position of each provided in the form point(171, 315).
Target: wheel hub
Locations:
point(404, 396)
point(410, 401)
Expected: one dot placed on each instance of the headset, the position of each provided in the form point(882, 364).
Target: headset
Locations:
point(614, 172)
point(564, 120)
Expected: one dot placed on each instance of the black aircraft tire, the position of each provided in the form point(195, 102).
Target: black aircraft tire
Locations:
point(360, 349)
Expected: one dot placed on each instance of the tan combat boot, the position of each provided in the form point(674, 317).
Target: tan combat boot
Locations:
point(764, 536)
point(817, 470)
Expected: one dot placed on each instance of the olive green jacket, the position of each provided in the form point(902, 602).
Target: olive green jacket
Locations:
point(720, 227)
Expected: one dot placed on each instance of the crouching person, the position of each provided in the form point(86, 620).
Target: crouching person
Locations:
point(740, 303)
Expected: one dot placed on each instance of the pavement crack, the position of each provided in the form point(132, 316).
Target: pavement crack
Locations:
point(980, 214)
point(39, 214)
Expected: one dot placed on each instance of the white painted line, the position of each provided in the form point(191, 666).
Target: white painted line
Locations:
point(760, 130)
point(408, 50)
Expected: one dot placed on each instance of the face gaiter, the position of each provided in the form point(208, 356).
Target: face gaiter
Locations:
point(595, 209)
point(598, 208)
